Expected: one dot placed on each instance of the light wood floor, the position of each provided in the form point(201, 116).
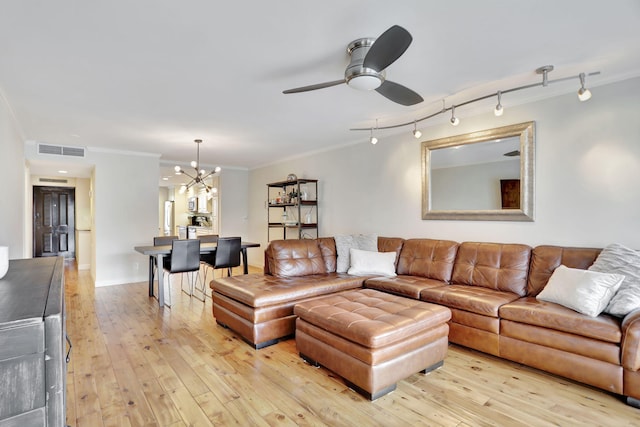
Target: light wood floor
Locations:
point(134, 364)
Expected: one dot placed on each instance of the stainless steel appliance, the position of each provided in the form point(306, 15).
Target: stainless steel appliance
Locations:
point(169, 220)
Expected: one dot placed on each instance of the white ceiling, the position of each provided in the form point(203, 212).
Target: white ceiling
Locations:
point(153, 75)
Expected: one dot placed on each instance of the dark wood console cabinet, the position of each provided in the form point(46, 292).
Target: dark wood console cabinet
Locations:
point(32, 344)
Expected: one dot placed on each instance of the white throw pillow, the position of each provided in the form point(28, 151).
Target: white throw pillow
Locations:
point(619, 259)
point(587, 292)
point(367, 263)
point(366, 242)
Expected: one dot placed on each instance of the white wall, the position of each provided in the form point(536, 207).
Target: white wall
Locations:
point(12, 197)
point(471, 187)
point(125, 198)
point(587, 175)
point(233, 202)
point(124, 203)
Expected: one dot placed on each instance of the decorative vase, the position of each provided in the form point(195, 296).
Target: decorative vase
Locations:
point(4, 260)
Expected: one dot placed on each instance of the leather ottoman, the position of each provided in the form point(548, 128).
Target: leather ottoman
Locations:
point(372, 339)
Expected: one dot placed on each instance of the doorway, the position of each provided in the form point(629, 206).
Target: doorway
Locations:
point(54, 222)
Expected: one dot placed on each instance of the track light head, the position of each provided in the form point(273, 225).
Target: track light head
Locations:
point(373, 139)
point(416, 133)
point(454, 120)
point(499, 110)
point(584, 94)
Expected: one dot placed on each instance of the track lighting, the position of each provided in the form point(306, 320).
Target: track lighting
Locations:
point(416, 133)
point(584, 94)
point(499, 110)
point(454, 120)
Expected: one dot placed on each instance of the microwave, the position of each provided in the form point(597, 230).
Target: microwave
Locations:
point(192, 204)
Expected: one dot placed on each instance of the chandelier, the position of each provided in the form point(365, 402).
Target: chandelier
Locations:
point(200, 174)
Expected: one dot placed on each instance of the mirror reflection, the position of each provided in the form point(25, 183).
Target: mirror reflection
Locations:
point(486, 175)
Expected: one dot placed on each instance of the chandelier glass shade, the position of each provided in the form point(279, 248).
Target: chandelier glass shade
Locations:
point(199, 175)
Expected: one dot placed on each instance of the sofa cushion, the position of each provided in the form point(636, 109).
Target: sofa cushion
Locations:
point(428, 258)
point(619, 259)
point(545, 259)
point(587, 292)
point(327, 247)
point(475, 299)
point(258, 290)
point(572, 343)
point(365, 242)
point(408, 286)
point(550, 315)
point(391, 244)
point(501, 267)
point(367, 263)
point(288, 258)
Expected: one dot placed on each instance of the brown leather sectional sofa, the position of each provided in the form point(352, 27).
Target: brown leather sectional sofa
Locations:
point(489, 287)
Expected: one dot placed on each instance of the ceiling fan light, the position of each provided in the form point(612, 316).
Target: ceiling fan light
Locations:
point(365, 82)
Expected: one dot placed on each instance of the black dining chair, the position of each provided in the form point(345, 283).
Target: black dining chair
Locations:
point(227, 254)
point(153, 262)
point(185, 258)
point(207, 260)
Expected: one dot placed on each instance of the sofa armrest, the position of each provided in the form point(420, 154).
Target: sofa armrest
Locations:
point(630, 344)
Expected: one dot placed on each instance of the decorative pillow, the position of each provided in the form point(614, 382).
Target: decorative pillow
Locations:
point(367, 263)
point(587, 292)
point(619, 259)
point(366, 242)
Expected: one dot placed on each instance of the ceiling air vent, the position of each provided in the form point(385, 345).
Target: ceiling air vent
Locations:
point(53, 180)
point(60, 150)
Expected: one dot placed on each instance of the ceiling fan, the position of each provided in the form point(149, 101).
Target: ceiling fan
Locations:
point(369, 58)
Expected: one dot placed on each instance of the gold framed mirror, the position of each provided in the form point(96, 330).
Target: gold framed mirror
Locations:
point(484, 176)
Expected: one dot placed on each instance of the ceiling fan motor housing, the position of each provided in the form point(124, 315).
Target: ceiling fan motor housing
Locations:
point(358, 76)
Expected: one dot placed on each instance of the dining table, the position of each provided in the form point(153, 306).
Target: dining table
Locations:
point(162, 251)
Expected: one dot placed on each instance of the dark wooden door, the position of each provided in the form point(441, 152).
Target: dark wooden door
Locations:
point(54, 222)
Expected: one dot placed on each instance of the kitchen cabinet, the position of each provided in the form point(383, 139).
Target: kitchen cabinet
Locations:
point(292, 211)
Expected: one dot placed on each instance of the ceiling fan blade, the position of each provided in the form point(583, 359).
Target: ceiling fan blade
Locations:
point(387, 48)
point(314, 87)
point(398, 93)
